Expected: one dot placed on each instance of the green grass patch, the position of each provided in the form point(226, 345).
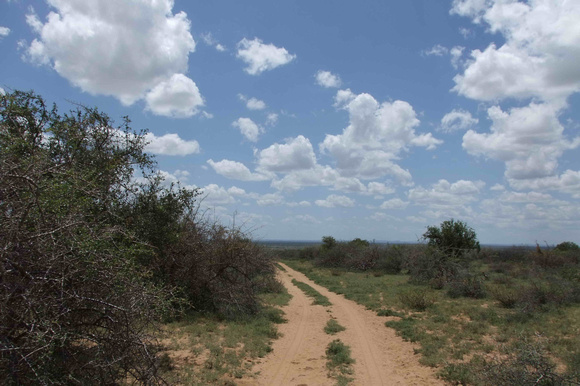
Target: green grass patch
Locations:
point(309, 291)
point(226, 349)
point(333, 327)
point(339, 362)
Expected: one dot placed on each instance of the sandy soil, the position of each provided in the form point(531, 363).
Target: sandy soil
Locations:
point(298, 357)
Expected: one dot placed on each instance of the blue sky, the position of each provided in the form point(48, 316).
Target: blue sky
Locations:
point(368, 119)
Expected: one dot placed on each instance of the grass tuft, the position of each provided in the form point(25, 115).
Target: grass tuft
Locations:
point(332, 327)
point(309, 291)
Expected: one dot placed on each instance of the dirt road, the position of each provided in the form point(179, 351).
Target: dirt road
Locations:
point(298, 357)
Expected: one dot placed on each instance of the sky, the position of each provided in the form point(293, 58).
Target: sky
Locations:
point(300, 119)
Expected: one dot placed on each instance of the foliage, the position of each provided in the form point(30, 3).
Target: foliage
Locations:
point(417, 299)
point(319, 299)
point(339, 359)
point(74, 307)
point(567, 246)
point(92, 258)
point(332, 327)
point(328, 242)
point(453, 238)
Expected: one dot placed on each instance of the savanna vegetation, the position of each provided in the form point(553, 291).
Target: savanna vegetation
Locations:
point(99, 258)
point(481, 316)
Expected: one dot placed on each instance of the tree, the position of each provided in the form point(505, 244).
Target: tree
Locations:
point(453, 238)
point(328, 242)
point(75, 307)
point(567, 246)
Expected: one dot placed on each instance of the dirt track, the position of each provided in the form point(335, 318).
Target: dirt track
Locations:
point(298, 357)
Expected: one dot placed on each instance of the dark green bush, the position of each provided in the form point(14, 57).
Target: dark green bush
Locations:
point(466, 285)
point(417, 299)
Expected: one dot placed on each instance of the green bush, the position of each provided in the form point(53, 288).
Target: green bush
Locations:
point(567, 246)
point(453, 238)
point(417, 299)
point(466, 285)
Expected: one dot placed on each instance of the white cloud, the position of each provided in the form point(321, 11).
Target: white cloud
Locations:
point(2, 92)
point(497, 188)
point(379, 189)
point(170, 144)
point(327, 79)
point(255, 104)
point(303, 218)
point(303, 204)
point(270, 199)
point(444, 195)
point(235, 170)
point(262, 57)
point(457, 120)
point(272, 119)
point(437, 50)
point(394, 203)
point(540, 54)
point(248, 128)
point(528, 139)
point(252, 103)
point(334, 201)
point(4, 31)
point(211, 41)
point(456, 53)
point(316, 176)
point(295, 154)
point(134, 45)
point(376, 135)
point(214, 195)
point(568, 182)
point(177, 97)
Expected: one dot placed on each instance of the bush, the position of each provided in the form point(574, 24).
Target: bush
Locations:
point(527, 365)
point(567, 246)
point(466, 285)
point(75, 307)
point(418, 299)
point(453, 238)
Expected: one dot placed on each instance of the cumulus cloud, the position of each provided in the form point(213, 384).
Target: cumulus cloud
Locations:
point(457, 120)
point(444, 195)
point(4, 31)
point(134, 47)
point(378, 189)
point(540, 54)
point(303, 204)
point(528, 139)
point(394, 203)
point(248, 128)
point(316, 176)
point(252, 103)
point(376, 135)
point(262, 57)
point(334, 201)
point(270, 199)
point(170, 144)
point(177, 97)
point(235, 171)
point(214, 195)
point(327, 79)
point(296, 154)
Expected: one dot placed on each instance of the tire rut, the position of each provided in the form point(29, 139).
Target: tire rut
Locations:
point(298, 357)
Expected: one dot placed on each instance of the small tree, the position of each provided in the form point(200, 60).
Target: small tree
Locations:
point(453, 238)
point(328, 242)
